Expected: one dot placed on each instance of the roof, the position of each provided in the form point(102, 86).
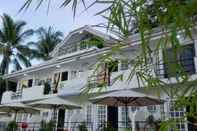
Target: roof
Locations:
point(132, 41)
point(86, 28)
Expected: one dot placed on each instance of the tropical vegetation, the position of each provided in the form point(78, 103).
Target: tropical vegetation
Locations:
point(16, 52)
point(13, 50)
point(47, 39)
point(171, 17)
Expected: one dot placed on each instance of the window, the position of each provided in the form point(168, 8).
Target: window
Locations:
point(177, 114)
point(45, 114)
point(134, 108)
point(184, 56)
point(124, 117)
point(69, 114)
point(30, 82)
point(36, 82)
point(64, 76)
point(19, 117)
point(124, 65)
point(73, 74)
point(89, 113)
point(152, 108)
point(25, 116)
point(83, 45)
point(101, 114)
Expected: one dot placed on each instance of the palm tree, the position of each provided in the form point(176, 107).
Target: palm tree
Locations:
point(13, 51)
point(47, 40)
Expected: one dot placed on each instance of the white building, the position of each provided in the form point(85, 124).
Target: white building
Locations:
point(71, 69)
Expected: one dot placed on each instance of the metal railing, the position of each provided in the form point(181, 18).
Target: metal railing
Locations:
point(164, 70)
point(102, 79)
point(74, 126)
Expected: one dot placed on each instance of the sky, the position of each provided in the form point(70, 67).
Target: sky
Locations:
point(60, 18)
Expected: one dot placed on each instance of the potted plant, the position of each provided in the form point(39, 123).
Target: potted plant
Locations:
point(94, 41)
point(108, 127)
point(82, 127)
point(12, 126)
point(50, 126)
point(42, 126)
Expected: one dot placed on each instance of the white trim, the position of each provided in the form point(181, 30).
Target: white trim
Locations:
point(84, 28)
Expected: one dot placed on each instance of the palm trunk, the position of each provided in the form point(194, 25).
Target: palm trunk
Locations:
point(6, 80)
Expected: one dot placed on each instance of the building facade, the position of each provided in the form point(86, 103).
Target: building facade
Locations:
point(72, 70)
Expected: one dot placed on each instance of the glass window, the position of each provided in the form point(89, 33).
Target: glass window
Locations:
point(152, 108)
point(177, 113)
point(30, 82)
point(25, 116)
point(83, 45)
point(124, 65)
point(101, 114)
point(19, 117)
point(64, 76)
point(185, 57)
point(124, 117)
point(73, 74)
point(89, 113)
point(134, 108)
point(45, 114)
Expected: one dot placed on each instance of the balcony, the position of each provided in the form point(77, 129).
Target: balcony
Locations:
point(26, 94)
point(167, 70)
point(104, 82)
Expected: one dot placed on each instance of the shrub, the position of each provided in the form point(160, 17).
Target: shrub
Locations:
point(12, 126)
point(82, 127)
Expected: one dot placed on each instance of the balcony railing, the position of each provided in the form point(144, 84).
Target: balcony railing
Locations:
point(17, 94)
point(90, 126)
point(164, 70)
point(102, 79)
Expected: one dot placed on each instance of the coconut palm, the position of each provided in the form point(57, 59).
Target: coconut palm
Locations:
point(13, 51)
point(47, 40)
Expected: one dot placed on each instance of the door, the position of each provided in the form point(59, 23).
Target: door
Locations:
point(112, 117)
point(61, 117)
point(192, 124)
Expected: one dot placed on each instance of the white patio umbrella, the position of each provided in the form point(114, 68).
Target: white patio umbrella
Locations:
point(17, 108)
point(126, 98)
point(55, 103)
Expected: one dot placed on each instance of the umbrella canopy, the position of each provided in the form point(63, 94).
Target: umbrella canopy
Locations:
point(126, 97)
point(18, 108)
point(55, 102)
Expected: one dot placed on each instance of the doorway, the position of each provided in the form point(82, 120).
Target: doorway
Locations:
point(61, 117)
point(112, 117)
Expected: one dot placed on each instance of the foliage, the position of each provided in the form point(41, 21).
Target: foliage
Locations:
point(50, 126)
point(47, 88)
point(43, 125)
point(47, 126)
point(12, 49)
point(94, 41)
point(12, 126)
point(172, 19)
point(108, 128)
point(47, 40)
point(82, 127)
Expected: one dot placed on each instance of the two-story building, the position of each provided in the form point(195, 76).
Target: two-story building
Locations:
point(72, 69)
